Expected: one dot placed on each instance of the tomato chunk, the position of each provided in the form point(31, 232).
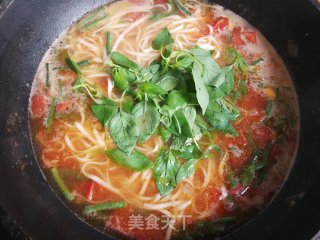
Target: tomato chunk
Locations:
point(236, 36)
point(220, 23)
point(61, 107)
point(38, 105)
point(250, 36)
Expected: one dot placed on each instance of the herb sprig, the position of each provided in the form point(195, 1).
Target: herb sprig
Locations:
point(185, 94)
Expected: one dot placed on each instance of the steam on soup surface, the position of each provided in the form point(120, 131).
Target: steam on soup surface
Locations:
point(164, 120)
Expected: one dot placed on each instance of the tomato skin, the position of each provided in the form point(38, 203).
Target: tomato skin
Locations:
point(220, 23)
point(134, 15)
point(253, 100)
point(250, 36)
point(38, 105)
point(236, 36)
point(61, 107)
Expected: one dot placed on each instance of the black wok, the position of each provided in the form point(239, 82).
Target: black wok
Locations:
point(27, 29)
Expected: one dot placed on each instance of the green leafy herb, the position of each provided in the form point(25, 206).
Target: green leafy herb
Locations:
point(124, 131)
point(135, 161)
point(64, 189)
point(168, 82)
point(147, 119)
point(49, 119)
point(151, 88)
point(202, 92)
point(162, 40)
point(108, 44)
point(104, 111)
point(166, 167)
point(104, 206)
point(176, 99)
point(186, 170)
point(120, 77)
point(237, 60)
point(165, 134)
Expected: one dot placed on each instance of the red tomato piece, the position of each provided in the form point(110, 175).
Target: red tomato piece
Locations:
point(213, 193)
point(236, 36)
point(61, 107)
point(250, 36)
point(253, 100)
point(220, 23)
point(38, 105)
point(135, 15)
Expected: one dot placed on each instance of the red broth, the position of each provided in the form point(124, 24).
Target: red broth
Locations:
point(239, 175)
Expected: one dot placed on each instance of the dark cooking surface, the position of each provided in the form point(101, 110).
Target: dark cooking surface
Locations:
point(27, 30)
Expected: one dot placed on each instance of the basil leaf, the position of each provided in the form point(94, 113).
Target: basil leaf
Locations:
point(104, 111)
point(165, 134)
point(123, 61)
point(215, 93)
point(151, 88)
point(162, 40)
point(127, 105)
point(201, 90)
point(147, 119)
point(165, 170)
point(185, 119)
point(186, 170)
point(210, 68)
point(124, 131)
point(187, 153)
point(228, 84)
point(135, 161)
point(220, 113)
point(120, 77)
point(176, 99)
point(168, 82)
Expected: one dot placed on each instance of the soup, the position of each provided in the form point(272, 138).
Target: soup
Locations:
point(164, 120)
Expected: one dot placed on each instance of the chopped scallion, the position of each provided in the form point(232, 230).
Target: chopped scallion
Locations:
point(47, 75)
point(64, 189)
point(51, 113)
point(108, 45)
point(104, 206)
